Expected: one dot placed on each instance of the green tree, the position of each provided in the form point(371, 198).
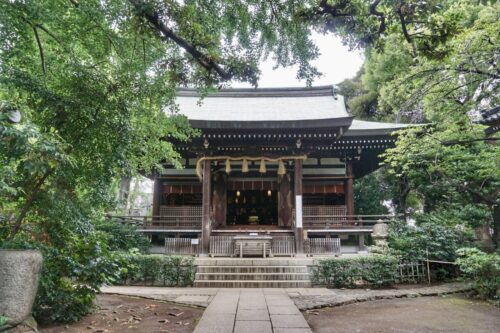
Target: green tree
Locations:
point(95, 82)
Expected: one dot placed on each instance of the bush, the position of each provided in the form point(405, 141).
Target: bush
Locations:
point(376, 271)
point(412, 242)
point(172, 271)
point(482, 268)
point(122, 237)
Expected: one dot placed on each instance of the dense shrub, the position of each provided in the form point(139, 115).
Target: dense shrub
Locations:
point(122, 237)
point(157, 270)
point(412, 242)
point(482, 268)
point(377, 271)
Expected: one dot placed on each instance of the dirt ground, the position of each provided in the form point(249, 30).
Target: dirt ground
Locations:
point(450, 314)
point(130, 314)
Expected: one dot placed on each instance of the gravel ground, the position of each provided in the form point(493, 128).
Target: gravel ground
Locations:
point(451, 314)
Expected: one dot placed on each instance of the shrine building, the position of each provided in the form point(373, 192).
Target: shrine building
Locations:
point(276, 164)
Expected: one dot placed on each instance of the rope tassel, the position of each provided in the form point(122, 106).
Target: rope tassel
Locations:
point(228, 167)
point(244, 166)
point(245, 160)
point(262, 168)
point(281, 168)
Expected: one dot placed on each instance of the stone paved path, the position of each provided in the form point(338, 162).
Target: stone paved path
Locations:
point(270, 310)
point(252, 310)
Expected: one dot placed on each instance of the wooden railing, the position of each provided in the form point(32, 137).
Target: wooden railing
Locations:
point(283, 245)
point(326, 217)
point(224, 245)
point(181, 246)
point(322, 246)
point(171, 217)
point(189, 218)
point(221, 246)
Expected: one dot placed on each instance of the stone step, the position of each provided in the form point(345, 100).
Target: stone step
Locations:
point(276, 261)
point(252, 269)
point(252, 284)
point(252, 276)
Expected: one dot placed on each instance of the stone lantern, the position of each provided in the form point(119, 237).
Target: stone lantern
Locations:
point(380, 233)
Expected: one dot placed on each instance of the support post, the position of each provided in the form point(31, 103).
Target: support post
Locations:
point(348, 191)
point(299, 230)
point(157, 192)
point(205, 209)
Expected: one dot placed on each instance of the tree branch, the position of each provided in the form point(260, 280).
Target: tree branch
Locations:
point(405, 30)
point(380, 15)
point(40, 49)
point(28, 203)
point(153, 17)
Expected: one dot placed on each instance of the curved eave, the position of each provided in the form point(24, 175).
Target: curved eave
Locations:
point(270, 124)
point(373, 128)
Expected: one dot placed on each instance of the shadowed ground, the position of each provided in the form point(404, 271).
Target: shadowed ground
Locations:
point(452, 313)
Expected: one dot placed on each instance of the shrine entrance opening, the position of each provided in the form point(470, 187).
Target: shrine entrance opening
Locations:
point(252, 207)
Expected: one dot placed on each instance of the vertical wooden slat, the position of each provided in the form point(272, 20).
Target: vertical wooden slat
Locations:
point(221, 245)
point(348, 192)
point(324, 245)
point(206, 223)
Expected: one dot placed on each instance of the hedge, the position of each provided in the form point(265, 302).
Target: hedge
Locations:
point(376, 271)
point(171, 271)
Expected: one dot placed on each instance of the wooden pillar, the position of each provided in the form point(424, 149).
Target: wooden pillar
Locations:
point(205, 209)
point(157, 193)
point(348, 191)
point(299, 230)
point(219, 199)
point(285, 201)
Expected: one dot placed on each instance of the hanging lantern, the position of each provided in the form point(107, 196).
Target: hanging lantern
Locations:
point(281, 168)
point(269, 193)
point(238, 193)
point(228, 167)
point(244, 166)
point(262, 168)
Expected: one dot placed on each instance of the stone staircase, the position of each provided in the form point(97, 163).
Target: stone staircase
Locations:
point(236, 273)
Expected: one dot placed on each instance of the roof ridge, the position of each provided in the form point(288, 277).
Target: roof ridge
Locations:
point(262, 92)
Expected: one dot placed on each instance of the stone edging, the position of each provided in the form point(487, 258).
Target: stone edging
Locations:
point(344, 297)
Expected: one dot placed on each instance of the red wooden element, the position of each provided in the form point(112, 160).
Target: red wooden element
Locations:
point(219, 201)
point(323, 188)
point(182, 189)
point(255, 185)
point(285, 202)
point(349, 194)
point(206, 221)
point(156, 196)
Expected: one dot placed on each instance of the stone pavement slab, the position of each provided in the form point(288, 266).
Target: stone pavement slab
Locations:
point(289, 321)
point(253, 315)
point(292, 330)
point(215, 323)
point(249, 311)
point(253, 327)
point(282, 310)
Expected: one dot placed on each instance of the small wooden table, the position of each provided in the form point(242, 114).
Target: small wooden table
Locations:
point(253, 246)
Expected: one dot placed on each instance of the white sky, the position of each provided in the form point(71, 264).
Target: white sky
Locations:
point(336, 63)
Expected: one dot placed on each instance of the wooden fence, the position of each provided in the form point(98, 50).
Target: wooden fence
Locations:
point(221, 246)
point(181, 246)
point(412, 272)
point(322, 246)
point(283, 245)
